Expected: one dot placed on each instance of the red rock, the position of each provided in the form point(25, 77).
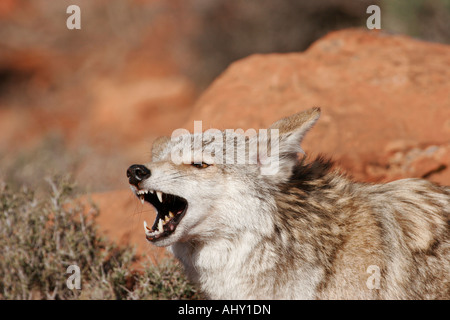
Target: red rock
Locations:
point(135, 110)
point(373, 89)
point(7, 7)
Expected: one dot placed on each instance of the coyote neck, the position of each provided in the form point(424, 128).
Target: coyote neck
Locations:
point(281, 263)
point(250, 267)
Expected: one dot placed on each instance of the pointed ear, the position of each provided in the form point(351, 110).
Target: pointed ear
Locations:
point(292, 129)
point(158, 147)
point(284, 151)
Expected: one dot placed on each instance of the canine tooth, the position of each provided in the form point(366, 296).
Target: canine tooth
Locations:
point(145, 226)
point(142, 199)
point(166, 219)
point(171, 214)
point(160, 226)
point(159, 194)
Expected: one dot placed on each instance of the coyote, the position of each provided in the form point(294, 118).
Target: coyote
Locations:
point(303, 231)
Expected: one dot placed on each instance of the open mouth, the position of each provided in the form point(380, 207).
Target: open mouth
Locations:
point(170, 210)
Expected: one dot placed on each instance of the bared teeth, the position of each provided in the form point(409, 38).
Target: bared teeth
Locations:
point(169, 209)
point(142, 192)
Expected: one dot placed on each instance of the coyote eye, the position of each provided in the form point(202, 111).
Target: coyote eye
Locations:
point(200, 165)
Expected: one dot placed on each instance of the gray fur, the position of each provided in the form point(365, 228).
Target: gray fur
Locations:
point(305, 231)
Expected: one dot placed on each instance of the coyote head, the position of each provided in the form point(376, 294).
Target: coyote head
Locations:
point(217, 183)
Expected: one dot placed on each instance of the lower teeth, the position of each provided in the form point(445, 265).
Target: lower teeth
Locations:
point(151, 233)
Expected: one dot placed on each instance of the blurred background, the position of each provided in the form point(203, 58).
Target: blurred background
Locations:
point(88, 103)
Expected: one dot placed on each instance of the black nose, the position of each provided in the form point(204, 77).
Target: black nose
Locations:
point(136, 173)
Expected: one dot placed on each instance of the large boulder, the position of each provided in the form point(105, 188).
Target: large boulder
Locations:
point(385, 101)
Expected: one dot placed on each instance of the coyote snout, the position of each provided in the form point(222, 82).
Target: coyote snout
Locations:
point(136, 173)
point(246, 229)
